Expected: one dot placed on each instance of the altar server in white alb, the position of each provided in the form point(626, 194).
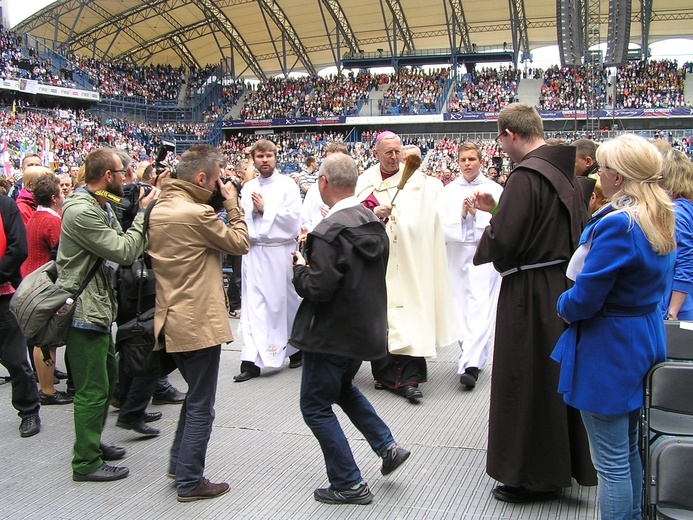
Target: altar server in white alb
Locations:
point(474, 287)
point(272, 206)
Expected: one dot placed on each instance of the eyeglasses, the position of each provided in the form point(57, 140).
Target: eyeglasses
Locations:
point(504, 132)
point(122, 171)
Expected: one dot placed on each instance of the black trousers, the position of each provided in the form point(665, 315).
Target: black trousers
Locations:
point(396, 371)
point(234, 290)
point(134, 394)
point(13, 356)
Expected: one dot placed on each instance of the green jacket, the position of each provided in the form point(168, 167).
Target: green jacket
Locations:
point(89, 231)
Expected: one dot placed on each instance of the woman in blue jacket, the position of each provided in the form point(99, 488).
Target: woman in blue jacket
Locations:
point(616, 332)
point(677, 180)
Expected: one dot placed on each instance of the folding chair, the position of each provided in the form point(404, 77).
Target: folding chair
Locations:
point(679, 341)
point(667, 411)
point(671, 479)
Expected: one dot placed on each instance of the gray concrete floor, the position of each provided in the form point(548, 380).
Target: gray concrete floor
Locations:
point(262, 448)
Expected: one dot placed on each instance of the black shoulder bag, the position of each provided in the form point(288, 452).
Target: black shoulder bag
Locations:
point(135, 339)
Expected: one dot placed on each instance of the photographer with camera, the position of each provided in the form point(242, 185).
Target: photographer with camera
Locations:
point(185, 239)
point(90, 233)
point(132, 394)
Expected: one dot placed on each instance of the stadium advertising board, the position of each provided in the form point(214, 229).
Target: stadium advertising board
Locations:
point(579, 114)
point(291, 121)
point(33, 87)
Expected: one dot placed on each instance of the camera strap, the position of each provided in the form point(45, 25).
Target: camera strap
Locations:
point(115, 199)
point(147, 212)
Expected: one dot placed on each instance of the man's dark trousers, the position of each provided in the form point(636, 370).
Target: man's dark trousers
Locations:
point(13, 357)
point(327, 380)
point(135, 393)
point(200, 369)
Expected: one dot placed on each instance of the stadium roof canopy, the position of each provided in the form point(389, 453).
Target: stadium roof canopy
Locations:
point(264, 38)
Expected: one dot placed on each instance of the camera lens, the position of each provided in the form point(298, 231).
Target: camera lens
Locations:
point(140, 273)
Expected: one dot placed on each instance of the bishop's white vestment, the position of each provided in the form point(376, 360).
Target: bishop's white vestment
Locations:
point(419, 300)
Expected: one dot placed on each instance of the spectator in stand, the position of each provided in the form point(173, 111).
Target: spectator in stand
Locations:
point(337, 95)
point(43, 233)
point(278, 97)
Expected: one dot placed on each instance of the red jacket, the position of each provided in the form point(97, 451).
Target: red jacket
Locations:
point(26, 205)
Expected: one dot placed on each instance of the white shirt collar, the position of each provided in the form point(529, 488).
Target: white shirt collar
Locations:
point(349, 202)
point(49, 210)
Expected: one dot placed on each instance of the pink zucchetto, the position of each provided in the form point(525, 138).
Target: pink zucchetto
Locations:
point(386, 134)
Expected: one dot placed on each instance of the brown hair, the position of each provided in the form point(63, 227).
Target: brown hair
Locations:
point(44, 188)
point(97, 163)
point(469, 146)
point(200, 158)
point(523, 120)
point(335, 147)
point(263, 145)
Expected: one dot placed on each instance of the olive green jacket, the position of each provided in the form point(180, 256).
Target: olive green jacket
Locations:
point(88, 232)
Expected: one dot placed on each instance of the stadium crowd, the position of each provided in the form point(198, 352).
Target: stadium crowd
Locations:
point(15, 64)
point(569, 88)
point(73, 134)
point(337, 95)
point(487, 90)
point(643, 84)
point(278, 97)
point(651, 84)
point(122, 80)
point(414, 91)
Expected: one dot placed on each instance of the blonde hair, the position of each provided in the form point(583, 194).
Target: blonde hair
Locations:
point(598, 192)
point(640, 196)
point(81, 175)
point(31, 175)
point(677, 175)
point(469, 146)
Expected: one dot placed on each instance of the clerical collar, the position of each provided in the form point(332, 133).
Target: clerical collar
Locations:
point(386, 175)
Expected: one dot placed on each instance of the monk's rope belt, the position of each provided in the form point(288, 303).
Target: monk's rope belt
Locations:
point(531, 266)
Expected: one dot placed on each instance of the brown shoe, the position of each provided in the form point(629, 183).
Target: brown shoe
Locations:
point(205, 489)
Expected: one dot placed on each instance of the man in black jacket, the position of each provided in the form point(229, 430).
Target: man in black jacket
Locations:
point(13, 353)
point(343, 289)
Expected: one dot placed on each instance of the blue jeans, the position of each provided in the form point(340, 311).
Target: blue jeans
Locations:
point(614, 450)
point(327, 380)
point(200, 369)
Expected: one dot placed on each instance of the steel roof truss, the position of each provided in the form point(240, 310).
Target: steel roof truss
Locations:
point(272, 8)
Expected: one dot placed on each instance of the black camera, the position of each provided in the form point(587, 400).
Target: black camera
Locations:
point(160, 164)
point(129, 204)
point(131, 192)
point(217, 200)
